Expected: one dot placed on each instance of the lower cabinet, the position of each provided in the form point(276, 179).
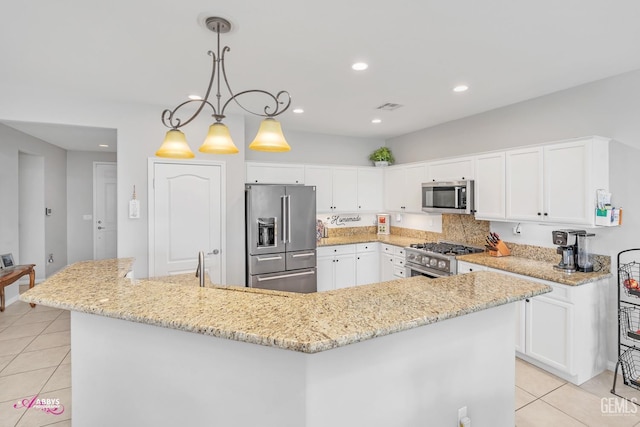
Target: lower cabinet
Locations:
point(343, 266)
point(561, 331)
point(367, 263)
point(386, 267)
point(391, 262)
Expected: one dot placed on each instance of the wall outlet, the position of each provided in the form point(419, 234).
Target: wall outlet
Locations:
point(517, 230)
point(462, 414)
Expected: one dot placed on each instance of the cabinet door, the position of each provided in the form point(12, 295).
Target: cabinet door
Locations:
point(370, 189)
point(265, 173)
point(367, 270)
point(386, 267)
point(345, 270)
point(524, 184)
point(412, 190)
point(345, 189)
point(520, 325)
point(451, 170)
point(549, 336)
point(325, 273)
point(394, 182)
point(467, 267)
point(322, 178)
point(566, 178)
point(490, 186)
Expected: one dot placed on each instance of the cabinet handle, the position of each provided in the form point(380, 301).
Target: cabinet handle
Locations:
point(256, 180)
point(527, 300)
point(358, 257)
point(539, 214)
point(359, 207)
point(546, 214)
point(463, 178)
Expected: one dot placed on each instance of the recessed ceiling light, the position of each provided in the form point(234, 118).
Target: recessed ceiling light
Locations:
point(460, 88)
point(298, 110)
point(376, 121)
point(195, 97)
point(103, 145)
point(360, 66)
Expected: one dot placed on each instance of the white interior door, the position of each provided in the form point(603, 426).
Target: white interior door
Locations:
point(105, 233)
point(187, 218)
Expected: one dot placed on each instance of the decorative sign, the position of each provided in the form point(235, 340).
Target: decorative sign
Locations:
point(343, 220)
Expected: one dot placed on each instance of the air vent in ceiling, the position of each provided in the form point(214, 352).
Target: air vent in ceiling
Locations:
point(389, 106)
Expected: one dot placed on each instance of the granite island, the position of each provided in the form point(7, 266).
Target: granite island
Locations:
point(407, 352)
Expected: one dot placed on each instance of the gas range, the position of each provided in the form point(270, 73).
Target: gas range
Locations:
point(435, 259)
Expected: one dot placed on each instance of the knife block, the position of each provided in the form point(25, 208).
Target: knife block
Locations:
point(501, 250)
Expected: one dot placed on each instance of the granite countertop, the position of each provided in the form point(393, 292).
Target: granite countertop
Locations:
point(308, 323)
point(533, 268)
point(391, 239)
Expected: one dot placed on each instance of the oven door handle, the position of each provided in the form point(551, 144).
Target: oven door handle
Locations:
point(420, 270)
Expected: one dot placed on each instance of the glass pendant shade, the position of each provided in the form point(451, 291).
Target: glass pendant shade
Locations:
point(218, 141)
point(175, 146)
point(270, 137)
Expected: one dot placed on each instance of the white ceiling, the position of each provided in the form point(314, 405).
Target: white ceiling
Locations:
point(154, 52)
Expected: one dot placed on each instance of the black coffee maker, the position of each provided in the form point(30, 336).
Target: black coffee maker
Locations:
point(568, 248)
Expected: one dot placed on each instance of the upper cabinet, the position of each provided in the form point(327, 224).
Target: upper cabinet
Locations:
point(336, 187)
point(370, 189)
point(403, 187)
point(274, 173)
point(557, 182)
point(490, 186)
point(457, 169)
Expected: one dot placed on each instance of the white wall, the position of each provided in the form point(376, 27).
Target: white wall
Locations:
point(608, 107)
point(316, 148)
point(31, 212)
point(13, 142)
point(80, 202)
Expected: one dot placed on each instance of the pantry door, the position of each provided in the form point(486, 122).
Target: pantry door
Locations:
point(186, 217)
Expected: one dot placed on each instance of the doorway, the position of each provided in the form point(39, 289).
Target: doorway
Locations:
point(31, 212)
point(186, 216)
point(105, 230)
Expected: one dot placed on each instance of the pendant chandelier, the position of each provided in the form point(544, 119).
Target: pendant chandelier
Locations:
point(218, 140)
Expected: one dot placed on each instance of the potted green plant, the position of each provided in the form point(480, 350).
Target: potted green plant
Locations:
point(382, 157)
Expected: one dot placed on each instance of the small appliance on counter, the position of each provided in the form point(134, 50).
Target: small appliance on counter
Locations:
point(573, 245)
point(383, 223)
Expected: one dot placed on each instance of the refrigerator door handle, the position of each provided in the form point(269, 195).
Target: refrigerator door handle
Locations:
point(289, 219)
point(285, 218)
point(284, 276)
point(302, 255)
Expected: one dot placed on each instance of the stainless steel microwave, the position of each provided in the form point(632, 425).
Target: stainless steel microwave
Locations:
point(448, 197)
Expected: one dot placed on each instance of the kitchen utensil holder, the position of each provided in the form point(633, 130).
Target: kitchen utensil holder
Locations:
point(500, 249)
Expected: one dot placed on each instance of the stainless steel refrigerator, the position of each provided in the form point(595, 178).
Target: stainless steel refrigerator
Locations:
point(281, 237)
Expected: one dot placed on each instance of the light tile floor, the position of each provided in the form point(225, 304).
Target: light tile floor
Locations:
point(35, 360)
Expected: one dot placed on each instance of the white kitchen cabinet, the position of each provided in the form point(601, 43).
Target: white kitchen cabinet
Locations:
point(467, 267)
point(392, 259)
point(336, 187)
point(403, 187)
point(557, 182)
point(386, 267)
point(489, 186)
point(336, 267)
point(274, 173)
point(550, 332)
point(560, 331)
point(457, 169)
point(367, 263)
point(370, 189)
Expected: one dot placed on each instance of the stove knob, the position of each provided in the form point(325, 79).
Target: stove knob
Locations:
point(419, 259)
point(411, 256)
point(442, 264)
point(433, 262)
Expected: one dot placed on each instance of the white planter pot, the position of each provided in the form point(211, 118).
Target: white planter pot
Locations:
point(379, 164)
